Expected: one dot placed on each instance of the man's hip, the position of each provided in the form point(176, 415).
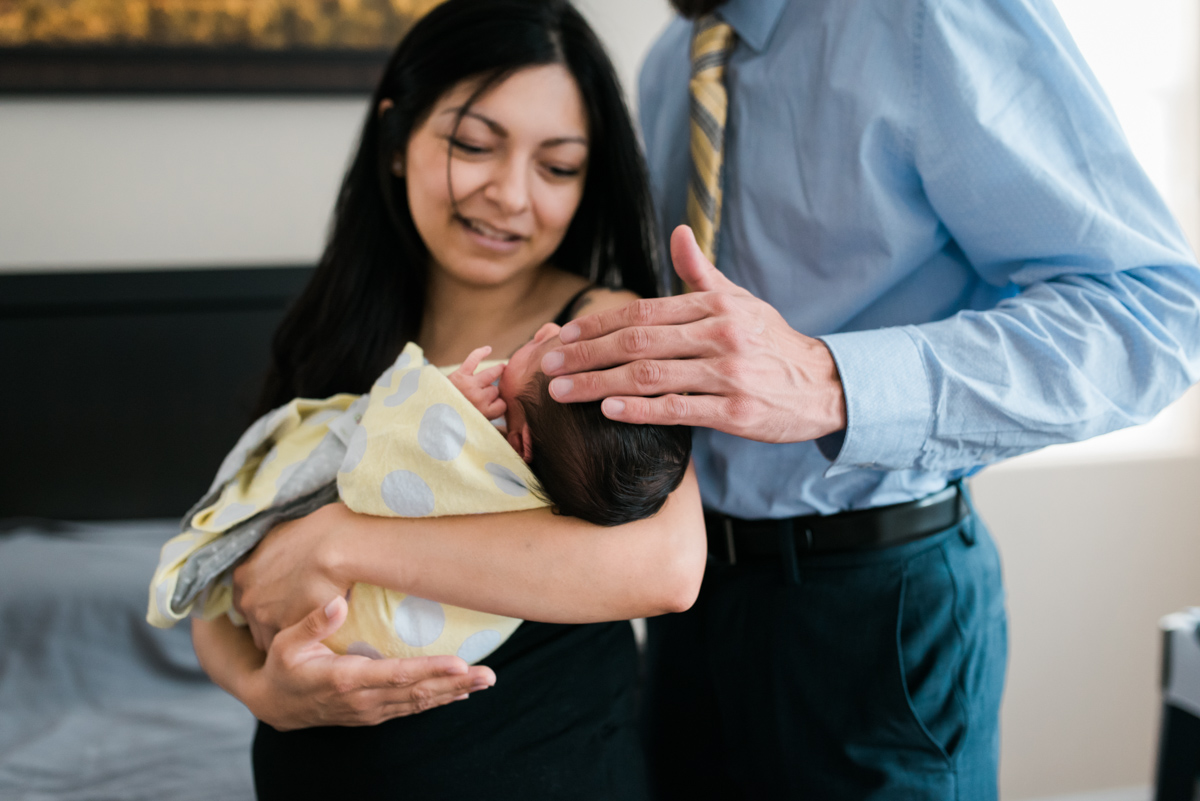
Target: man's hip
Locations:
point(870, 673)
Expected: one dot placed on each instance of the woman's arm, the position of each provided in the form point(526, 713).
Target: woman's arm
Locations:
point(533, 565)
point(300, 683)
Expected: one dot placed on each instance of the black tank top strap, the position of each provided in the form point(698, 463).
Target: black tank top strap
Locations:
point(568, 310)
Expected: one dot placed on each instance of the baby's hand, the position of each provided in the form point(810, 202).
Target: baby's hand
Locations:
point(477, 387)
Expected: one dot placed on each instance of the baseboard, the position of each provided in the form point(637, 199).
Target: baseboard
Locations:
point(1116, 794)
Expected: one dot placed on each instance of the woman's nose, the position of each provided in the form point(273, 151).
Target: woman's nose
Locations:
point(509, 187)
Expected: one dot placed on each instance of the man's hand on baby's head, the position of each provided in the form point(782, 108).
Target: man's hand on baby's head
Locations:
point(479, 388)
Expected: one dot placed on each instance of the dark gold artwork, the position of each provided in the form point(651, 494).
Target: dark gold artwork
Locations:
point(270, 24)
point(199, 45)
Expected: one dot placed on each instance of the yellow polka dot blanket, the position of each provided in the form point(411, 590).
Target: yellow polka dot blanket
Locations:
point(413, 447)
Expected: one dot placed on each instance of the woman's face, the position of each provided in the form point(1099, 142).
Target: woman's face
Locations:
point(517, 164)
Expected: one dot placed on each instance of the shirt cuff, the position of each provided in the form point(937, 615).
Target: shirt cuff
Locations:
point(888, 405)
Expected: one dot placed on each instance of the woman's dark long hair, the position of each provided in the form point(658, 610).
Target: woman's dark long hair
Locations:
point(366, 297)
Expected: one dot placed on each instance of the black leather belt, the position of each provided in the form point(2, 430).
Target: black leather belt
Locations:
point(734, 540)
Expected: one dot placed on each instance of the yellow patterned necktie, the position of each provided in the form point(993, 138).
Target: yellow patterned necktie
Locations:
point(711, 44)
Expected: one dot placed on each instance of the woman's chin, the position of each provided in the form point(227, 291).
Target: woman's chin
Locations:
point(485, 270)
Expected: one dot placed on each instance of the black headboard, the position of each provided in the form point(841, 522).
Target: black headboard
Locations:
point(122, 391)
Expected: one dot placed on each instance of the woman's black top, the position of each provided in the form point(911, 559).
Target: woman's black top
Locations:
point(558, 724)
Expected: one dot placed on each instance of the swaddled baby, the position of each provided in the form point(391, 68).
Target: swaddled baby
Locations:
point(420, 444)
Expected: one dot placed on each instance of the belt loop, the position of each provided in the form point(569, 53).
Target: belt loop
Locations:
point(787, 551)
point(731, 551)
point(966, 528)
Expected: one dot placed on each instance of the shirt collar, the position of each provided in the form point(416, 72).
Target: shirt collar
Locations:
point(752, 20)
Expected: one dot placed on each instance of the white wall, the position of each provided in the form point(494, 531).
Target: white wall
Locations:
point(148, 183)
point(1100, 539)
point(1097, 543)
point(90, 183)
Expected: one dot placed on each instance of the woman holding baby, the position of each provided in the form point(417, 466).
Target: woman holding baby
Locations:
point(497, 187)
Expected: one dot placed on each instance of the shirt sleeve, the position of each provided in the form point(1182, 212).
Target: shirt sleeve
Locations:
point(1023, 161)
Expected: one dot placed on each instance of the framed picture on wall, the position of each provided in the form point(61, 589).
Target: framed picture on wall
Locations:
point(199, 46)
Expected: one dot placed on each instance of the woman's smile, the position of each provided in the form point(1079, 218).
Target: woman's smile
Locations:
point(490, 236)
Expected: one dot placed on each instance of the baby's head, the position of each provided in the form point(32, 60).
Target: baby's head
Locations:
point(590, 467)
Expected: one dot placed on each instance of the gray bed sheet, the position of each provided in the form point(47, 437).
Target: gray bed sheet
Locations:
point(95, 703)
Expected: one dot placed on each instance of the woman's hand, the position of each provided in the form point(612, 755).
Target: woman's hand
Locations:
point(301, 683)
point(746, 370)
point(290, 572)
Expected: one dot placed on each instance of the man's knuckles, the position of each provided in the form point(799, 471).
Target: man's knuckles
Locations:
point(731, 336)
point(720, 304)
point(640, 312)
point(634, 341)
point(647, 376)
point(678, 409)
point(742, 411)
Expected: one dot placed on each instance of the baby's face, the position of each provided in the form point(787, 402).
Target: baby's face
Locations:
point(523, 367)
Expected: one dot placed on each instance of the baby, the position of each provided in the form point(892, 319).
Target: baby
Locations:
point(588, 466)
point(419, 444)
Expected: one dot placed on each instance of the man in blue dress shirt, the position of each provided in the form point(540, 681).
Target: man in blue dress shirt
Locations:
point(935, 251)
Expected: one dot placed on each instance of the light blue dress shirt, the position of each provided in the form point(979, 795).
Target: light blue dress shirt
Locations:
point(940, 191)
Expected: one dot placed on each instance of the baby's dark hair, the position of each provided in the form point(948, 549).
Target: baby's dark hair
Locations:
point(600, 470)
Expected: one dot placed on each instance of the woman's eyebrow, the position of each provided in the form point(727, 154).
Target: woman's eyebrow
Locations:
point(496, 127)
point(565, 140)
point(500, 130)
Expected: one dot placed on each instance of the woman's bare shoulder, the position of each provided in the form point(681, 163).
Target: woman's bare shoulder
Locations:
point(601, 298)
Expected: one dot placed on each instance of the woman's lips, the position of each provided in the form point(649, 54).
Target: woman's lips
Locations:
point(491, 237)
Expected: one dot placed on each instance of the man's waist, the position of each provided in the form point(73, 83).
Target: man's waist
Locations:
point(733, 539)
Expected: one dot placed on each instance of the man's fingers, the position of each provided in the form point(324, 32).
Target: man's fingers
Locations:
point(645, 377)
point(668, 410)
point(642, 312)
point(696, 271)
point(685, 341)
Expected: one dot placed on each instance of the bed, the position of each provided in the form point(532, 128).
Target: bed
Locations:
point(122, 391)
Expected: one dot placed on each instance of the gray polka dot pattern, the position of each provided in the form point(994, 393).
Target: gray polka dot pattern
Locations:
point(506, 480)
point(173, 550)
point(400, 363)
point(419, 622)
point(385, 379)
point(271, 456)
point(355, 450)
point(361, 648)
point(408, 385)
point(442, 432)
point(285, 475)
point(322, 417)
point(478, 645)
point(407, 494)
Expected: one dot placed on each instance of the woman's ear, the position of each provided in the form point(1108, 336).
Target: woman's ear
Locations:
point(390, 135)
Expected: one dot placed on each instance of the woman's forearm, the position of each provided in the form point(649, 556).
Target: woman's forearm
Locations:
point(226, 653)
point(536, 565)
